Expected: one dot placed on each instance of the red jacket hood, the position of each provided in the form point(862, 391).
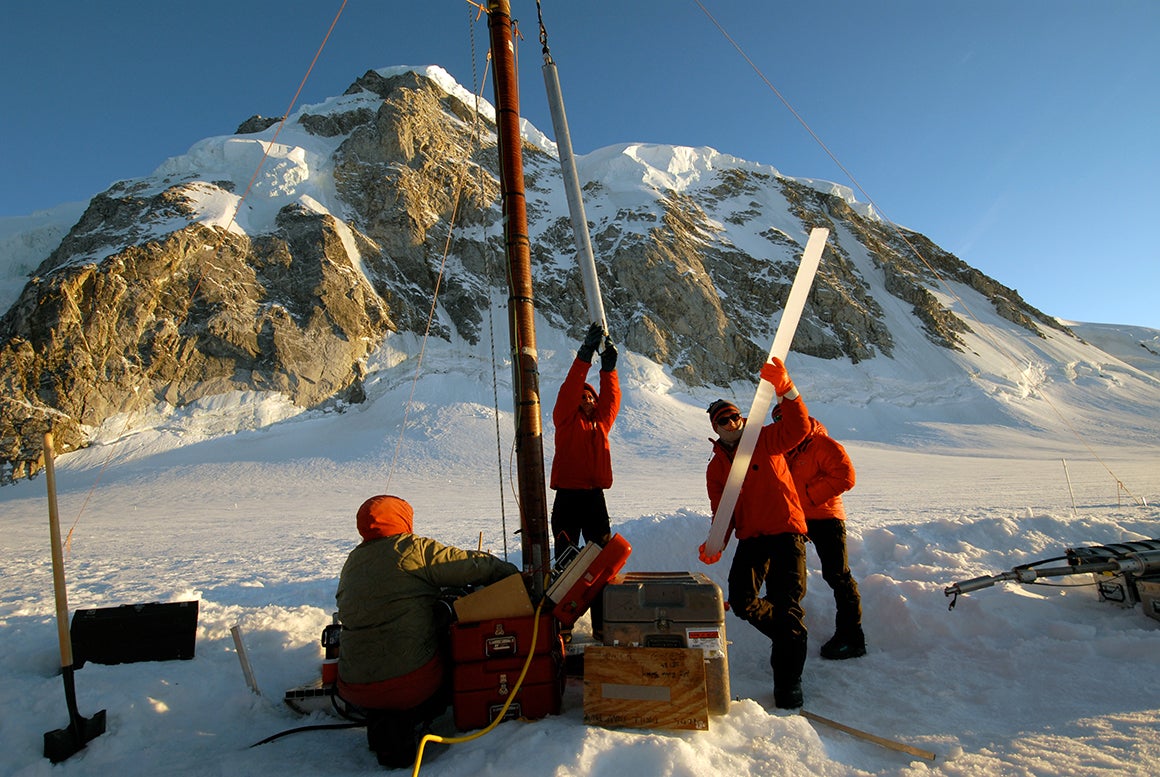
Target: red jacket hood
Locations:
point(384, 516)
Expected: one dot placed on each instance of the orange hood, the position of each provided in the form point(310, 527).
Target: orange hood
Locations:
point(384, 516)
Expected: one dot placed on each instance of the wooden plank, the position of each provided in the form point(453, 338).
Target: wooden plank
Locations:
point(637, 687)
point(883, 741)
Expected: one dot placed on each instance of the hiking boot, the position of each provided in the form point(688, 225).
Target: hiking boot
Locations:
point(788, 697)
point(391, 735)
point(841, 647)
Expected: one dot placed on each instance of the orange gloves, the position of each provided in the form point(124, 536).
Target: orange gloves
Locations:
point(774, 372)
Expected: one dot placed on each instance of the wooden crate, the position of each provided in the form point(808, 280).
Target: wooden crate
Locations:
point(639, 687)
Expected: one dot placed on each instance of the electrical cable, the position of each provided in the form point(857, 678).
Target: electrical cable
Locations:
point(300, 729)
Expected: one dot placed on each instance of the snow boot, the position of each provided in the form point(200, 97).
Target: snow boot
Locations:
point(787, 660)
point(391, 735)
point(845, 645)
point(788, 697)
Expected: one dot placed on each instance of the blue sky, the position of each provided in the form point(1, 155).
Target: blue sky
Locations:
point(1020, 135)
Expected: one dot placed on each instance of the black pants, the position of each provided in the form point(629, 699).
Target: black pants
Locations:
point(580, 513)
point(778, 562)
point(394, 734)
point(829, 538)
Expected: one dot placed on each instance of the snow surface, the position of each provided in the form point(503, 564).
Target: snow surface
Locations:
point(246, 504)
point(968, 464)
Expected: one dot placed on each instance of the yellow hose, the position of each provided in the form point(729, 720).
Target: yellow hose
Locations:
point(498, 718)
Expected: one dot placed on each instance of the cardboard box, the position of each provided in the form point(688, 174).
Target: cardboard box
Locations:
point(1149, 590)
point(506, 599)
point(636, 687)
point(1116, 588)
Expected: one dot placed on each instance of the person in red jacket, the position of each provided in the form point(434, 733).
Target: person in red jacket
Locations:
point(582, 465)
point(822, 472)
point(771, 530)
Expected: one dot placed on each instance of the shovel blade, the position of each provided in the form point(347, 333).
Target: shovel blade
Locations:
point(63, 742)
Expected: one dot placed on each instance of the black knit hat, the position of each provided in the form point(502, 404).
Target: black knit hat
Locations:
point(721, 408)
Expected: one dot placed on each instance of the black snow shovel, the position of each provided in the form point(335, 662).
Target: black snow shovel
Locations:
point(63, 742)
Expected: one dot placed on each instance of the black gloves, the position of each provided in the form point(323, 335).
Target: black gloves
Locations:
point(591, 343)
point(608, 356)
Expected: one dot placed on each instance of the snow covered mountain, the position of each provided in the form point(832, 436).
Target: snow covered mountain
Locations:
point(240, 384)
point(307, 286)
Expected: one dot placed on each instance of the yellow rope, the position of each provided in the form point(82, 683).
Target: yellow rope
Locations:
point(499, 718)
point(462, 178)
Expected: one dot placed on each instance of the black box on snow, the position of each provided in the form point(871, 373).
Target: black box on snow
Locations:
point(134, 632)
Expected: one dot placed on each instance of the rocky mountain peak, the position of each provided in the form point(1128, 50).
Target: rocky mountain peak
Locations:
point(374, 204)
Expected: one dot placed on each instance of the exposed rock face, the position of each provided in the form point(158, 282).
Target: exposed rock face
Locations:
point(146, 302)
point(256, 123)
point(406, 173)
point(197, 314)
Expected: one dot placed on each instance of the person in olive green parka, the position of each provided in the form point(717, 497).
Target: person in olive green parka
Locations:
point(391, 657)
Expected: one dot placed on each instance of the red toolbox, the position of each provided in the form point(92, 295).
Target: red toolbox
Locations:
point(481, 688)
point(502, 638)
point(583, 580)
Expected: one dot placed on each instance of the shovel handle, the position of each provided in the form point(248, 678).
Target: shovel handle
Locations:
point(66, 655)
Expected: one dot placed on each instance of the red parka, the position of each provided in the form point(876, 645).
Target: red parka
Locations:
point(583, 459)
point(768, 503)
point(822, 472)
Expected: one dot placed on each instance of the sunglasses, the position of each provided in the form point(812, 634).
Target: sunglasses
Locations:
point(732, 418)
